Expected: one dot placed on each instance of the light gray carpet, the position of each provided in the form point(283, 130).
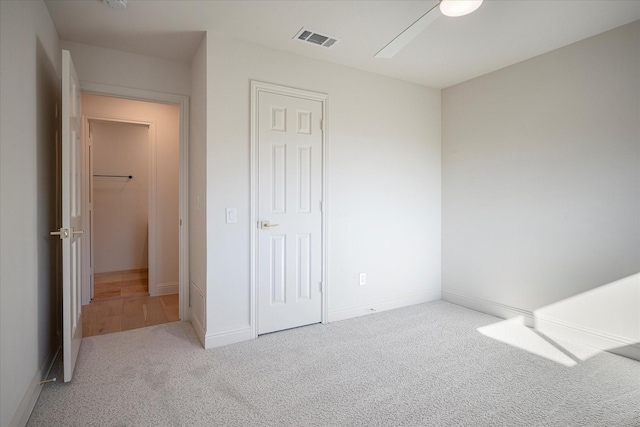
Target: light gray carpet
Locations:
point(421, 365)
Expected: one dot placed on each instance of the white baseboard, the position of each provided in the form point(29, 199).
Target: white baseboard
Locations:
point(168, 288)
point(227, 337)
point(489, 307)
point(245, 334)
point(405, 301)
point(554, 328)
point(559, 329)
point(30, 397)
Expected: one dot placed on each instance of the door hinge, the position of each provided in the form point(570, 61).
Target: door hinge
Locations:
point(321, 204)
point(320, 286)
point(322, 125)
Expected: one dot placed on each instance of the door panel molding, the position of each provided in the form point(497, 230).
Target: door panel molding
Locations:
point(277, 121)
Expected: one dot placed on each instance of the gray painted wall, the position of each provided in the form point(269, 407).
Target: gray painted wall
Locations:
point(383, 184)
point(113, 67)
point(541, 176)
point(29, 297)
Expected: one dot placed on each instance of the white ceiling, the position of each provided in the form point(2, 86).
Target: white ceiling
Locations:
point(449, 51)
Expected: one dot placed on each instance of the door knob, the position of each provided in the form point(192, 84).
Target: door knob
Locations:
point(266, 224)
point(65, 232)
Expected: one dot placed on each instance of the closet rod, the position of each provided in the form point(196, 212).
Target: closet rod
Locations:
point(115, 176)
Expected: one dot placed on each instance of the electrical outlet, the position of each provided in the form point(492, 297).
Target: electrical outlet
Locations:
point(363, 279)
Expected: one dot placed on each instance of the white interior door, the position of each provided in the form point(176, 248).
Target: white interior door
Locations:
point(289, 243)
point(71, 231)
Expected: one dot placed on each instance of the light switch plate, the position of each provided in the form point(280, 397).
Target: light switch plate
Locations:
point(231, 215)
point(363, 279)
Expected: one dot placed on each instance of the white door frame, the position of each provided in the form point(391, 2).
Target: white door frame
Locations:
point(183, 199)
point(152, 197)
point(258, 87)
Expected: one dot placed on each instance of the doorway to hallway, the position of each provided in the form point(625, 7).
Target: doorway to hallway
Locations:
point(132, 156)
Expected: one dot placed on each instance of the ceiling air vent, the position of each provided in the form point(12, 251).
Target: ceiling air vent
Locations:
point(308, 36)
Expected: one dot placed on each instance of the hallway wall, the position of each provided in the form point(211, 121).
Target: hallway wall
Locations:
point(112, 67)
point(120, 205)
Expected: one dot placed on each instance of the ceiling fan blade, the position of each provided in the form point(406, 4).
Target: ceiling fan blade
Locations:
point(403, 39)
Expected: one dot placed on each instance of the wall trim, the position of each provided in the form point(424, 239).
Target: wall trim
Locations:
point(404, 301)
point(197, 306)
point(197, 327)
point(30, 397)
point(168, 288)
point(182, 102)
point(497, 309)
point(152, 209)
point(604, 341)
point(228, 337)
point(197, 311)
point(555, 328)
point(87, 162)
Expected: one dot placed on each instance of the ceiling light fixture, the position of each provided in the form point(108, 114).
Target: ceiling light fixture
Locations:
point(403, 39)
point(447, 7)
point(116, 4)
point(458, 7)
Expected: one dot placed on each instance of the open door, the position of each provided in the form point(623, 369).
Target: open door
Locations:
point(71, 230)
